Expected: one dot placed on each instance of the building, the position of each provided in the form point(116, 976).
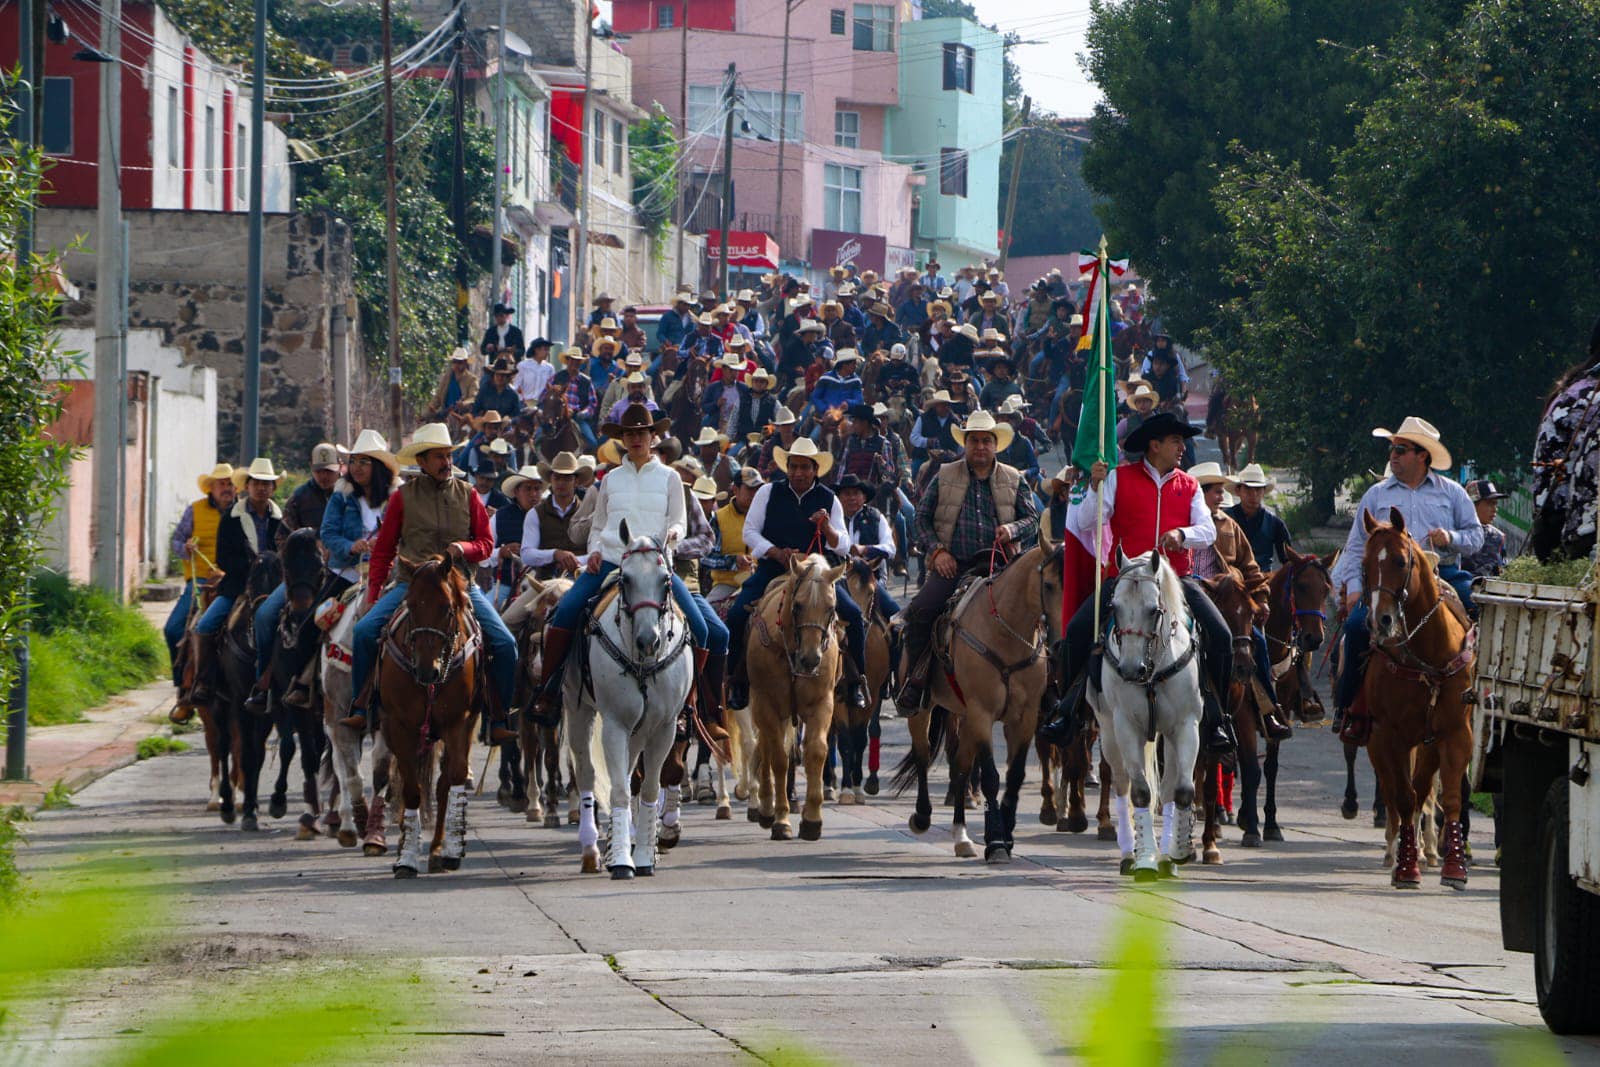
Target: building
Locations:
point(951, 120)
point(844, 199)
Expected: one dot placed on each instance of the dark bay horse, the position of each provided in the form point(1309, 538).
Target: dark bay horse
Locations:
point(1227, 591)
point(295, 645)
point(683, 408)
point(557, 432)
point(243, 736)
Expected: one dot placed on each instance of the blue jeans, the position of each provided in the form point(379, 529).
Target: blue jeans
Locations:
point(586, 431)
point(1358, 637)
point(502, 646)
point(1263, 658)
point(751, 591)
point(888, 606)
point(216, 616)
point(267, 616)
point(176, 623)
point(570, 609)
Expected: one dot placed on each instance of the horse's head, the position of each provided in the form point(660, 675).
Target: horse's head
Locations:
point(1394, 572)
point(553, 409)
point(1307, 585)
point(436, 601)
point(1227, 591)
point(1146, 610)
point(646, 586)
point(812, 606)
point(265, 573)
point(302, 571)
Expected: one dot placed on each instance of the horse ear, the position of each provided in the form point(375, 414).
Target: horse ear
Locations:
point(622, 532)
point(1155, 562)
point(1397, 519)
point(1122, 559)
point(796, 563)
point(1368, 523)
point(1291, 555)
point(1330, 559)
point(1045, 544)
point(837, 572)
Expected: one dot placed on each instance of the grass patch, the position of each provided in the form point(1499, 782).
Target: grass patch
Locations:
point(84, 648)
point(1483, 803)
point(57, 798)
point(151, 747)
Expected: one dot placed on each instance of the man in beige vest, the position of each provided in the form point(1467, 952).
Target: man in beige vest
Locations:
point(973, 506)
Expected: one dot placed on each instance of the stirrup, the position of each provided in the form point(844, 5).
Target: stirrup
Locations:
point(356, 720)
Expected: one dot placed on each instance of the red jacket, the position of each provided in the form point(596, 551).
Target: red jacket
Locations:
point(474, 550)
point(1135, 523)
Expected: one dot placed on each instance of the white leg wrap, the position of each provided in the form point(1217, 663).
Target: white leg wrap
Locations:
point(588, 832)
point(1124, 824)
point(410, 840)
point(1168, 817)
point(671, 802)
point(455, 823)
point(1144, 839)
point(644, 843)
point(621, 838)
point(1183, 835)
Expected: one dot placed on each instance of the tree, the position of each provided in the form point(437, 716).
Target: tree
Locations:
point(653, 156)
point(1055, 206)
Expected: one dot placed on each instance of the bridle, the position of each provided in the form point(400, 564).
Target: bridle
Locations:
point(641, 672)
point(1416, 669)
point(801, 625)
point(1400, 596)
point(1145, 675)
point(629, 607)
point(1296, 613)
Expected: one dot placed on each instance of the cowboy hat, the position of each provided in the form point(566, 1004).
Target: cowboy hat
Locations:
point(831, 305)
point(737, 341)
point(635, 378)
point(1162, 424)
point(1209, 473)
point(504, 365)
point(1424, 435)
point(572, 352)
point(708, 295)
point(869, 276)
point(804, 448)
point(1062, 477)
point(609, 344)
point(862, 411)
point(222, 472)
point(836, 271)
point(880, 409)
point(851, 481)
point(603, 297)
point(988, 296)
point(488, 418)
point(683, 298)
point(801, 301)
point(690, 465)
point(707, 436)
point(609, 452)
point(1013, 404)
point(705, 319)
point(811, 324)
point(260, 470)
point(704, 488)
point(635, 417)
point(998, 355)
point(609, 324)
point(983, 422)
point(969, 331)
point(1140, 390)
point(564, 463)
point(499, 447)
point(846, 290)
point(937, 307)
point(760, 374)
point(460, 354)
point(634, 361)
point(1254, 477)
point(745, 296)
point(784, 417)
point(373, 445)
point(940, 396)
point(846, 355)
point(526, 474)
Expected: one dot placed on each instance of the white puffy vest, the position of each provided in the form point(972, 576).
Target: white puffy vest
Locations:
point(650, 498)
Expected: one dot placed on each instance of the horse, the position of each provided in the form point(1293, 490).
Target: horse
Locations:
point(1150, 688)
point(684, 397)
point(853, 729)
point(540, 746)
point(294, 647)
point(557, 432)
point(1227, 591)
point(637, 675)
point(1415, 683)
point(357, 820)
point(1237, 425)
point(990, 666)
point(794, 665)
point(1062, 792)
point(244, 735)
point(430, 682)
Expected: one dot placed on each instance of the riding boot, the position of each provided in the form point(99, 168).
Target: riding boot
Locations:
point(547, 708)
point(205, 675)
point(1276, 726)
point(256, 702)
point(357, 719)
point(1216, 732)
point(855, 684)
point(738, 683)
point(915, 685)
point(709, 672)
point(1064, 721)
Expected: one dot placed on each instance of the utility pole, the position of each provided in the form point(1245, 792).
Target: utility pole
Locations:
point(783, 114)
point(580, 255)
point(392, 227)
point(250, 437)
point(458, 177)
point(1016, 176)
point(109, 388)
point(680, 200)
point(499, 152)
point(727, 176)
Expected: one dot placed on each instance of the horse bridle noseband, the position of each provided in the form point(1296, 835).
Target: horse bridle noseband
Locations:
point(799, 627)
point(622, 592)
point(1147, 677)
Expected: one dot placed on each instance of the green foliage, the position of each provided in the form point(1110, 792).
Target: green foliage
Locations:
point(57, 797)
point(151, 747)
point(653, 155)
point(32, 466)
point(10, 833)
point(84, 648)
point(1569, 572)
point(1055, 206)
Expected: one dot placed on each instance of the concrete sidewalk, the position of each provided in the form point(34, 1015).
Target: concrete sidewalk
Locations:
point(76, 754)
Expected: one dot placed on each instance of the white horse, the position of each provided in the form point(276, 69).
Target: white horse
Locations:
point(640, 671)
point(1150, 688)
point(344, 749)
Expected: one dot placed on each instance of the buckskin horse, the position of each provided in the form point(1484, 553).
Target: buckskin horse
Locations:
point(1416, 679)
point(430, 684)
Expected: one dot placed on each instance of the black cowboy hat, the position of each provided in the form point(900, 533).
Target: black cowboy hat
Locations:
point(540, 342)
point(851, 481)
point(635, 417)
point(862, 411)
point(1157, 426)
point(1009, 360)
point(503, 365)
point(504, 309)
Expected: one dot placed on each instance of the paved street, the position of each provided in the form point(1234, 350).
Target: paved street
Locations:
point(870, 946)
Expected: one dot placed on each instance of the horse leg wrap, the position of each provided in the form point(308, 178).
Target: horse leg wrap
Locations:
point(994, 827)
point(1123, 820)
point(872, 755)
point(373, 833)
point(588, 832)
point(644, 844)
point(1144, 839)
point(1183, 834)
point(1169, 814)
point(672, 801)
point(410, 840)
point(455, 823)
point(621, 837)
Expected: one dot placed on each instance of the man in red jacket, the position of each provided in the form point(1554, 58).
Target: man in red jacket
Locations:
point(1151, 505)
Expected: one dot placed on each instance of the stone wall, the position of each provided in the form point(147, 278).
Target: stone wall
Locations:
point(187, 278)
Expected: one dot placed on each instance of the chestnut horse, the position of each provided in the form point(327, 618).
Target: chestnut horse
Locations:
point(1227, 591)
point(557, 432)
point(684, 396)
point(854, 729)
point(430, 687)
point(1419, 671)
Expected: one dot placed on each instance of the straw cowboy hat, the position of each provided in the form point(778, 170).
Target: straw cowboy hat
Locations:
point(760, 376)
point(704, 488)
point(428, 437)
point(607, 344)
point(705, 319)
point(811, 324)
point(609, 325)
point(1209, 473)
point(1141, 391)
point(801, 301)
point(683, 298)
point(564, 463)
point(969, 331)
point(609, 453)
point(847, 289)
point(940, 396)
point(784, 417)
point(222, 472)
point(1424, 435)
point(846, 355)
point(572, 352)
point(983, 422)
point(708, 436)
point(460, 354)
point(635, 417)
point(989, 296)
point(488, 418)
point(373, 445)
point(260, 470)
point(804, 448)
point(1254, 477)
point(737, 341)
point(1063, 477)
point(938, 307)
point(529, 473)
point(635, 378)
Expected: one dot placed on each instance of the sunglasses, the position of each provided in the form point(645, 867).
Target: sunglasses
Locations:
point(1400, 450)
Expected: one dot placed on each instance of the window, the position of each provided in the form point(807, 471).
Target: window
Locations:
point(211, 145)
point(597, 131)
point(836, 21)
point(847, 129)
point(664, 15)
point(841, 198)
point(874, 28)
point(239, 136)
point(952, 172)
point(759, 113)
point(173, 128)
point(958, 67)
point(55, 132)
point(618, 145)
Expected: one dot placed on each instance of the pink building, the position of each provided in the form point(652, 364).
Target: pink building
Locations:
point(839, 193)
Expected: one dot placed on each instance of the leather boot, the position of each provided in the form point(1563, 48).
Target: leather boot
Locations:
point(357, 719)
point(1276, 726)
point(547, 708)
point(914, 687)
point(256, 702)
point(205, 674)
point(1216, 732)
point(709, 674)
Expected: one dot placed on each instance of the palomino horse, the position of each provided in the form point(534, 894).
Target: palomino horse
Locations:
point(1150, 688)
point(540, 746)
point(638, 677)
point(244, 735)
point(1227, 591)
point(356, 817)
point(557, 432)
point(430, 682)
point(1415, 681)
point(853, 728)
point(990, 667)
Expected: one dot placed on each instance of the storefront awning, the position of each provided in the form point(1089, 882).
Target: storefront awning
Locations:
point(746, 248)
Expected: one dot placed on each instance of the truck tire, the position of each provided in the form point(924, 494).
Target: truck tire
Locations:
point(1567, 921)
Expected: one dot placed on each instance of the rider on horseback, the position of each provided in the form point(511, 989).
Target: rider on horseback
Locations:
point(431, 514)
point(1150, 505)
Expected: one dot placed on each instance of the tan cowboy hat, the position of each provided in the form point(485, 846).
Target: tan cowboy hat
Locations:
point(460, 354)
point(784, 417)
point(564, 463)
point(488, 418)
point(608, 343)
point(260, 470)
point(1140, 390)
point(983, 422)
point(635, 417)
point(869, 276)
point(804, 448)
point(969, 331)
point(940, 396)
point(683, 298)
point(937, 307)
point(1254, 477)
point(800, 301)
point(373, 445)
point(609, 453)
point(836, 271)
point(1209, 473)
point(705, 319)
point(1424, 435)
point(704, 488)
point(846, 355)
point(708, 436)
point(222, 472)
point(427, 438)
point(690, 465)
point(572, 352)
point(833, 306)
point(760, 374)
point(989, 296)
point(602, 297)
point(634, 361)
point(1062, 477)
point(609, 324)
point(529, 473)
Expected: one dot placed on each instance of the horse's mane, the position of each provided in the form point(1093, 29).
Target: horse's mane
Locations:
point(302, 560)
point(1167, 582)
point(265, 573)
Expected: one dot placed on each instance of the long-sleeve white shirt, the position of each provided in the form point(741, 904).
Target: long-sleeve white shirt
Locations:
point(532, 554)
point(532, 376)
point(754, 519)
point(1200, 530)
point(883, 547)
point(650, 498)
point(1436, 504)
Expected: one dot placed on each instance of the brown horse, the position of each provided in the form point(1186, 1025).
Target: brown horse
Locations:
point(539, 746)
point(430, 686)
point(852, 727)
point(1415, 681)
point(1227, 591)
point(683, 397)
point(557, 432)
point(1062, 793)
point(1238, 427)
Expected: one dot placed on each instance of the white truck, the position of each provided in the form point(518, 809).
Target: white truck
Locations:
point(1536, 725)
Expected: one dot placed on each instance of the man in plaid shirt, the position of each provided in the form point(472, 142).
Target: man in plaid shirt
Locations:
point(582, 399)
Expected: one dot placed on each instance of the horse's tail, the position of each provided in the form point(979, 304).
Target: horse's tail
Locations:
point(905, 775)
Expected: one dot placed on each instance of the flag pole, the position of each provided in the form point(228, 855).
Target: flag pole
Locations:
point(1100, 495)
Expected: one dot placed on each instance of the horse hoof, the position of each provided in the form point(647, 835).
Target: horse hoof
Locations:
point(213, 806)
point(1145, 875)
point(573, 816)
point(308, 828)
point(810, 830)
point(451, 863)
point(846, 797)
point(724, 812)
point(1406, 883)
point(1047, 813)
point(404, 872)
point(669, 838)
point(1349, 809)
point(781, 831)
point(1126, 866)
point(622, 873)
point(1212, 857)
point(227, 815)
point(347, 838)
point(358, 814)
point(374, 848)
point(1251, 839)
point(591, 864)
point(278, 806)
point(435, 864)
point(502, 796)
point(1458, 884)
point(644, 872)
point(997, 854)
point(872, 784)
point(919, 823)
point(752, 814)
point(829, 793)
point(741, 793)
point(249, 824)
point(966, 850)
point(1226, 818)
point(1167, 869)
point(519, 804)
point(1272, 833)
point(1182, 860)
point(1106, 833)
point(1380, 820)
point(766, 822)
point(552, 821)
point(1077, 824)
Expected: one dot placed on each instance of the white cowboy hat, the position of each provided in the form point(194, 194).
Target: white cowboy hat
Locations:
point(683, 298)
point(564, 463)
point(572, 352)
point(1061, 477)
point(745, 296)
point(529, 473)
point(428, 437)
point(812, 324)
point(983, 422)
point(796, 303)
point(635, 378)
point(784, 417)
point(731, 361)
point(804, 448)
point(737, 341)
point(1209, 473)
point(500, 447)
point(708, 436)
point(1254, 477)
point(222, 472)
point(1013, 404)
point(969, 331)
point(846, 355)
point(373, 445)
point(940, 396)
point(260, 470)
point(704, 488)
point(1141, 391)
point(880, 409)
point(1424, 435)
point(460, 354)
point(760, 374)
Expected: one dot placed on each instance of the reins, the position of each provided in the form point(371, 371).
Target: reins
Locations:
point(1148, 677)
point(1418, 669)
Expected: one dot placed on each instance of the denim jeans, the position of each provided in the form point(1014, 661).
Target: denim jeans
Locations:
point(696, 611)
point(267, 616)
point(175, 625)
point(751, 591)
point(216, 616)
point(502, 646)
